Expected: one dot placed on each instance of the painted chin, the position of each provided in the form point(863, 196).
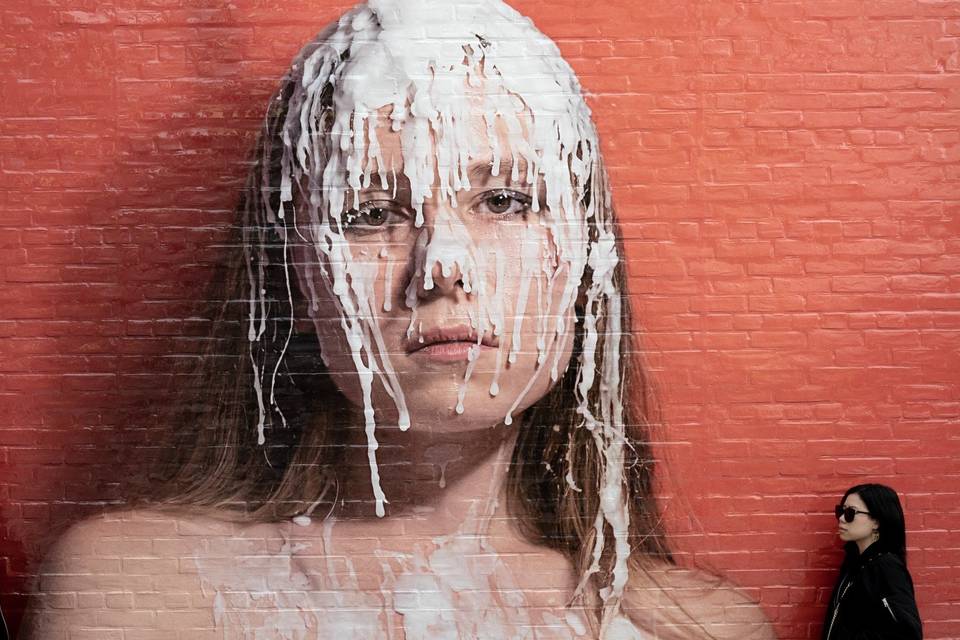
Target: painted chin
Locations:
point(449, 352)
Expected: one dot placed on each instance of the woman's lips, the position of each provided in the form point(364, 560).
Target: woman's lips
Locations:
point(450, 344)
point(458, 351)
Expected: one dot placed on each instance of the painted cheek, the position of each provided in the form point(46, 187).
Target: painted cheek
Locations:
point(388, 294)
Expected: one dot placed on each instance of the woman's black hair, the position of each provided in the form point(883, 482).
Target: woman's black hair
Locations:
point(884, 507)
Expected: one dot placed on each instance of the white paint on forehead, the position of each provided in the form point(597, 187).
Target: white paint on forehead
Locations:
point(489, 59)
point(384, 57)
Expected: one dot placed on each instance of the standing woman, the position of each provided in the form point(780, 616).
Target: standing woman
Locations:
point(873, 599)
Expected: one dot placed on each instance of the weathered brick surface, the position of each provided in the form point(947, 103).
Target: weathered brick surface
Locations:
point(788, 178)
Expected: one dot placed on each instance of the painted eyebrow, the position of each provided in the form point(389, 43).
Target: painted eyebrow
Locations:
point(481, 172)
point(375, 188)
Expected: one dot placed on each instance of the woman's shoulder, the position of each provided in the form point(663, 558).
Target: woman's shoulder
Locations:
point(880, 563)
point(690, 603)
point(124, 569)
point(886, 558)
point(139, 532)
point(885, 569)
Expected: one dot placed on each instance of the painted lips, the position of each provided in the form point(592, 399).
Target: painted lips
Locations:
point(449, 344)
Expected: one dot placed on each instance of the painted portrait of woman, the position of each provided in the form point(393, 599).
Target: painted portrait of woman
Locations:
point(421, 412)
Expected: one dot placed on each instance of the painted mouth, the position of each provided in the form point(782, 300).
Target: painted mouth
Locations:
point(450, 344)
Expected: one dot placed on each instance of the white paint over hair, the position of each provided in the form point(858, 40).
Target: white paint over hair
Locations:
point(384, 64)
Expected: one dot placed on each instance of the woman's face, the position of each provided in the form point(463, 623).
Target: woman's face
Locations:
point(467, 310)
point(863, 526)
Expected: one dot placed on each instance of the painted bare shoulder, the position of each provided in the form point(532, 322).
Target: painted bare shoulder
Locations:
point(161, 571)
point(154, 572)
point(688, 604)
point(129, 570)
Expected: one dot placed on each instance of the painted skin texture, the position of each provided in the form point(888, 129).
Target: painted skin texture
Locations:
point(418, 128)
point(186, 575)
point(441, 242)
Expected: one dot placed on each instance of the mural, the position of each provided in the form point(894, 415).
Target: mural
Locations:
point(417, 418)
point(493, 334)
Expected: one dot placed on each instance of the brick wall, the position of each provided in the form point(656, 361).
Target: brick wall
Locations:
point(788, 177)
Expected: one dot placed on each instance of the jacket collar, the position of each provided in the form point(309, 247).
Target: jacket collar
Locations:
point(870, 553)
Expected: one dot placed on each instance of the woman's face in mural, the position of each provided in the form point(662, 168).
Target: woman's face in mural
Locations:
point(466, 302)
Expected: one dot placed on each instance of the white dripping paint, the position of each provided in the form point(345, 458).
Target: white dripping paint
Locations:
point(305, 519)
point(382, 63)
point(388, 276)
point(472, 356)
point(449, 588)
point(529, 265)
point(268, 581)
point(543, 308)
point(497, 318)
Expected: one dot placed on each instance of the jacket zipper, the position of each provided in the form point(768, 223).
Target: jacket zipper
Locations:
point(887, 605)
point(836, 608)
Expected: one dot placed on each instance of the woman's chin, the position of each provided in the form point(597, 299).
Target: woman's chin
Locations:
point(449, 416)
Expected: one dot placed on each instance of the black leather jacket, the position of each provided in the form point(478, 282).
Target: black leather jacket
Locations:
point(873, 600)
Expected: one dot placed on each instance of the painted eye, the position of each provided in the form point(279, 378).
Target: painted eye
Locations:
point(371, 216)
point(504, 202)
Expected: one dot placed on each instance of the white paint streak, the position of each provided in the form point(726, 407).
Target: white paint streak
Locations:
point(416, 82)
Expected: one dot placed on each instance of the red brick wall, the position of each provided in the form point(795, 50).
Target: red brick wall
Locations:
point(788, 174)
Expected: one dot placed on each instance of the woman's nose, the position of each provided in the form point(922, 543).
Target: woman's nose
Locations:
point(445, 257)
point(444, 279)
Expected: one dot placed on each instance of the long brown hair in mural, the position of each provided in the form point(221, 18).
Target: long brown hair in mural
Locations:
point(421, 377)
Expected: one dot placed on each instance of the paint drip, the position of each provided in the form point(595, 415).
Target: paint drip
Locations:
point(380, 65)
point(446, 588)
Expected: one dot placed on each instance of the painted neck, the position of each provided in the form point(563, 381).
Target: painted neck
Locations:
point(442, 477)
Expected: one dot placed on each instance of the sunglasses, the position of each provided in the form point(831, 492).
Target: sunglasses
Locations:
point(848, 513)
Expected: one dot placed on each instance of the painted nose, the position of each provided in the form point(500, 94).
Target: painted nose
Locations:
point(445, 253)
point(444, 279)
